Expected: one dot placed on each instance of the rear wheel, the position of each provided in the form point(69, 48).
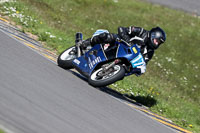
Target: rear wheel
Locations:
point(66, 57)
point(100, 78)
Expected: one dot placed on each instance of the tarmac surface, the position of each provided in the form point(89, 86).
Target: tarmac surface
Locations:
point(192, 6)
point(39, 97)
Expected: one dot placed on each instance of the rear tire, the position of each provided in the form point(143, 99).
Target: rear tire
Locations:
point(112, 77)
point(65, 58)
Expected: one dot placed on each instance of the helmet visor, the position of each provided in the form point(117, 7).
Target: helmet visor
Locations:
point(156, 38)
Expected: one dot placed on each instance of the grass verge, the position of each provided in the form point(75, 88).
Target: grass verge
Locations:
point(1, 131)
point(170, 86)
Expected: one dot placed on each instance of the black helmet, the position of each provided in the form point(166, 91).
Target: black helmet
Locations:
point(156, 37)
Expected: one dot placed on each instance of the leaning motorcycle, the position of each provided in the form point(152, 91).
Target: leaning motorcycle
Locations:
point(102, 64)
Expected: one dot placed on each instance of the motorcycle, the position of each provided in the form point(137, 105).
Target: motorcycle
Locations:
point(102, 64)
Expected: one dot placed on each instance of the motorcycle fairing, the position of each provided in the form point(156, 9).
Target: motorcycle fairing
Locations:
point(132, 54)
point(127, 52)
point(87, 62)
point(111, 51)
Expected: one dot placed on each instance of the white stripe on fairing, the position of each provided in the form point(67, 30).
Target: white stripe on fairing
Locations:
point(139, 64)
point(136, 59)
point(103, 51)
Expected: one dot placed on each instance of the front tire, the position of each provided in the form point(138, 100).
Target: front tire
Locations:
point(66, 57)
point(108, 79)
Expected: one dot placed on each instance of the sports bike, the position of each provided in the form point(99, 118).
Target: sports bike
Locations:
point(102, 64)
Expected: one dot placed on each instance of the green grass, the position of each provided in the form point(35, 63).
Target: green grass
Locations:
point(170, 86)
point(1, 131)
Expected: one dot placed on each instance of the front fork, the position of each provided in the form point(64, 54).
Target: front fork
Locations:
point(78, 42)
point(107, 68)
point(78, 49)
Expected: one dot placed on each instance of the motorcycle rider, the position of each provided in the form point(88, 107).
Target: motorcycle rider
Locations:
point(148, 41)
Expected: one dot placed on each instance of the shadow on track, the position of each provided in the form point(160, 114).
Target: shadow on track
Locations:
point(137, 100)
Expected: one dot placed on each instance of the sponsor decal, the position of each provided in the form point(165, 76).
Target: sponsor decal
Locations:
point(93, 62)
point(76, 61)
point(106, 46)
point(134, 50)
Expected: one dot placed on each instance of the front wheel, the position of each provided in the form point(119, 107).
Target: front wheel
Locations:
point(66, 57)
point(98, 79)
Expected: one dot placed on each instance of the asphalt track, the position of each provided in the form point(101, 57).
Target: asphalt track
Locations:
point(36, 96)
point(191, 6)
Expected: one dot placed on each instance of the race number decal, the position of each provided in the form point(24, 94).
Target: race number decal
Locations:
point(138, 61)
